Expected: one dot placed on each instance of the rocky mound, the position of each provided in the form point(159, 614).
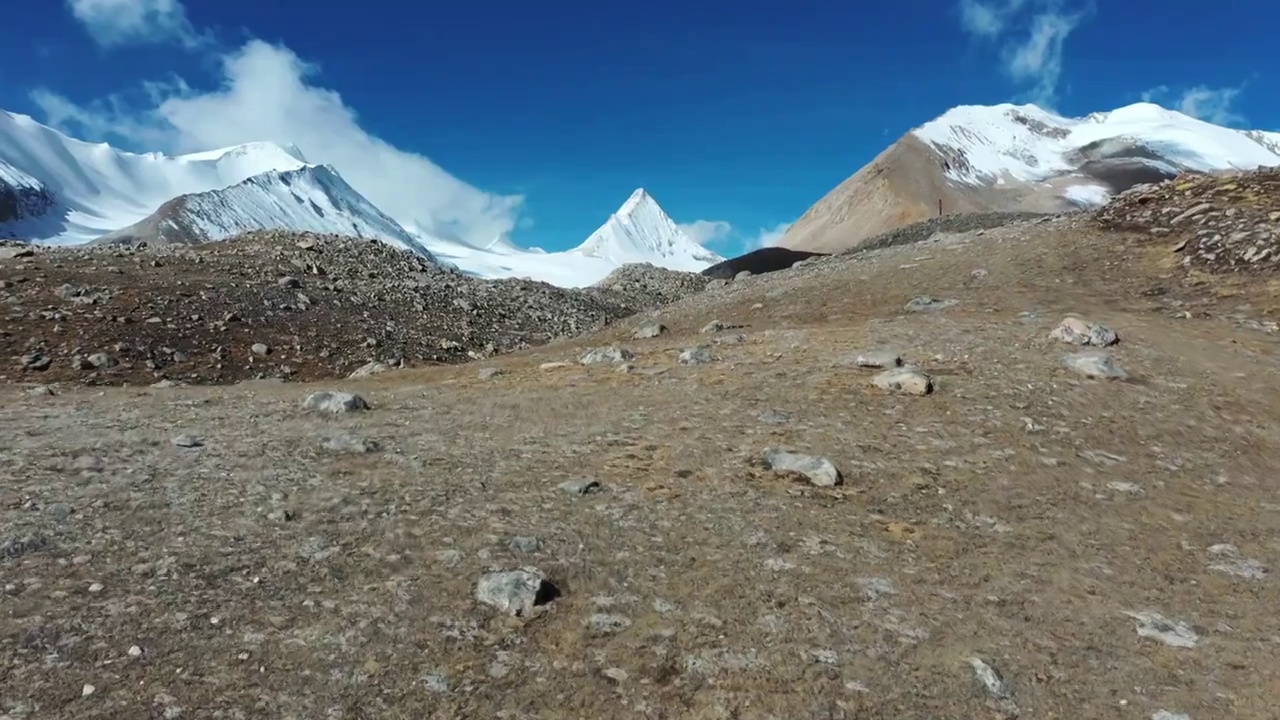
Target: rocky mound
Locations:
point(758, 262)
point(1219, 222)
point(645, 286)
point(274, 304)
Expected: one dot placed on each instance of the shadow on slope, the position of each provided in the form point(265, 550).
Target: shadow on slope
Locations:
point(758, 262)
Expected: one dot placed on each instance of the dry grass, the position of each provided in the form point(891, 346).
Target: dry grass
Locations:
point(262, 576)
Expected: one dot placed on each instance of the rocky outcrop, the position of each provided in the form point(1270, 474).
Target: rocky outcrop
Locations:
point(22, 196)
point(1223, 222)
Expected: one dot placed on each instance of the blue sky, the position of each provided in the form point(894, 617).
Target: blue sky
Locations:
point(541, 118)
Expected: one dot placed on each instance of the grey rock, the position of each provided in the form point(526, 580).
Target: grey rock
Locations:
point(580, 486)
point(990, 679)
point(489, 373)
point(774, 417)
point(40, 391)
point(369, 369)
point(187, 441)
point(695, 356)
point(606, 623)
point(878, 359)
point(102, 361)
point(735, 339)
point(1093, 364)
point(554, 365)
point(1232, 562)
point(289, 282)
point(1157, 627)
point(1166, 715)
point(648, 330)
point(716, 326)
point(331, 401)
point(905, 379)
point(349, 444)
point(818, 471)
point(37, 361)
point(60, 511)
point(514, 592)
point(1075, 331)
point(524, 544)
point(928, 303)
point(260, 349)
point(610, 354)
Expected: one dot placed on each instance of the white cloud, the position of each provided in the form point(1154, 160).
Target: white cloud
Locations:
point(1032, 42)
point(706, 232)
point(1213, 105)
point(266, 94)
point(768, 237)
point(120, 22)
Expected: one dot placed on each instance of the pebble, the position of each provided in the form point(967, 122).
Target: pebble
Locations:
point(489, 373)
point(1093, 364)
point(904, 379)
point(605, 355)
point(260, 349)
point(648, 330)
point(878, 359)
point(1075, 331)
point(580, 486)
point(187, 441)
point(514, 592)
point(928, 303)
point(695, 356)
point(96, 588)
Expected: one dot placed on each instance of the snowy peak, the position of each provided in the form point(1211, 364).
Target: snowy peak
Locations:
point(312, 198)
point(983, 145)
point(641, 232)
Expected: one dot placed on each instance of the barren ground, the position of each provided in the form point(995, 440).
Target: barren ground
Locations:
point(1015, 516)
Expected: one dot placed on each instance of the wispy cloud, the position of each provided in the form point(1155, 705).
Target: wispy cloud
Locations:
point(1215, 105)
point(1031, 35)
point(267, 93)
point(768, 237)
point(123, 22)
point(707, 232)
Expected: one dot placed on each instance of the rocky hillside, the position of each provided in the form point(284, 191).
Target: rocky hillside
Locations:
point(1225, 222)
point(271, 304)
point(21, 196)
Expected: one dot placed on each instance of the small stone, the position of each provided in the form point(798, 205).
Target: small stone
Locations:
point(515, 592)
point(878, 359)
point(524, 544)
point(96, 588)
point(60, 511)
point(41, 391)
point(774, 417)
point(349, 444)
point(1094, 364)
point(928, 303)
point(334, 402)
point(135, 651)
point(102, 361)
point(904, 379)
point(615, 674)
point(695, 356)
point(580, 486)
point(369, 369)
point(260, 349)
point(38, 362)
point(606, 623)
point(87, 690)
point(554, 365)
point(716, 326)
point(610, 354)
point(1075, 331)
point(1166, 715)
point(648, 330)
point(489, 373)
point(187, 441)
point(289, 282)
point(818, 471)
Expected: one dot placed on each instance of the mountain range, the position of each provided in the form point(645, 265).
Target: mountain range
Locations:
point(57, 190)
point(61, 191)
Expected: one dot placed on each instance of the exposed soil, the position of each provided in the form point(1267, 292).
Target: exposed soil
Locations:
point(1095, 549)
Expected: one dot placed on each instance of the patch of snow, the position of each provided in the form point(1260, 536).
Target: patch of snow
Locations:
point(1087, 195)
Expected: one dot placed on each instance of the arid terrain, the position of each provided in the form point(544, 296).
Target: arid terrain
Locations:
point(1023, 541)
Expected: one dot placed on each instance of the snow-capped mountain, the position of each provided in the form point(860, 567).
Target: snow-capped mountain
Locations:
point(61, 191)
point(1020, 157)
point(984, 145)
point(641, 232)
point(311, 198)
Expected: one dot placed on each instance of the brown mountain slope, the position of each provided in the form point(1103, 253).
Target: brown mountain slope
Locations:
point(902, 185)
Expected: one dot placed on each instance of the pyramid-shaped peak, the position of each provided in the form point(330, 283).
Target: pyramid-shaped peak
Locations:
point(638, 198)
